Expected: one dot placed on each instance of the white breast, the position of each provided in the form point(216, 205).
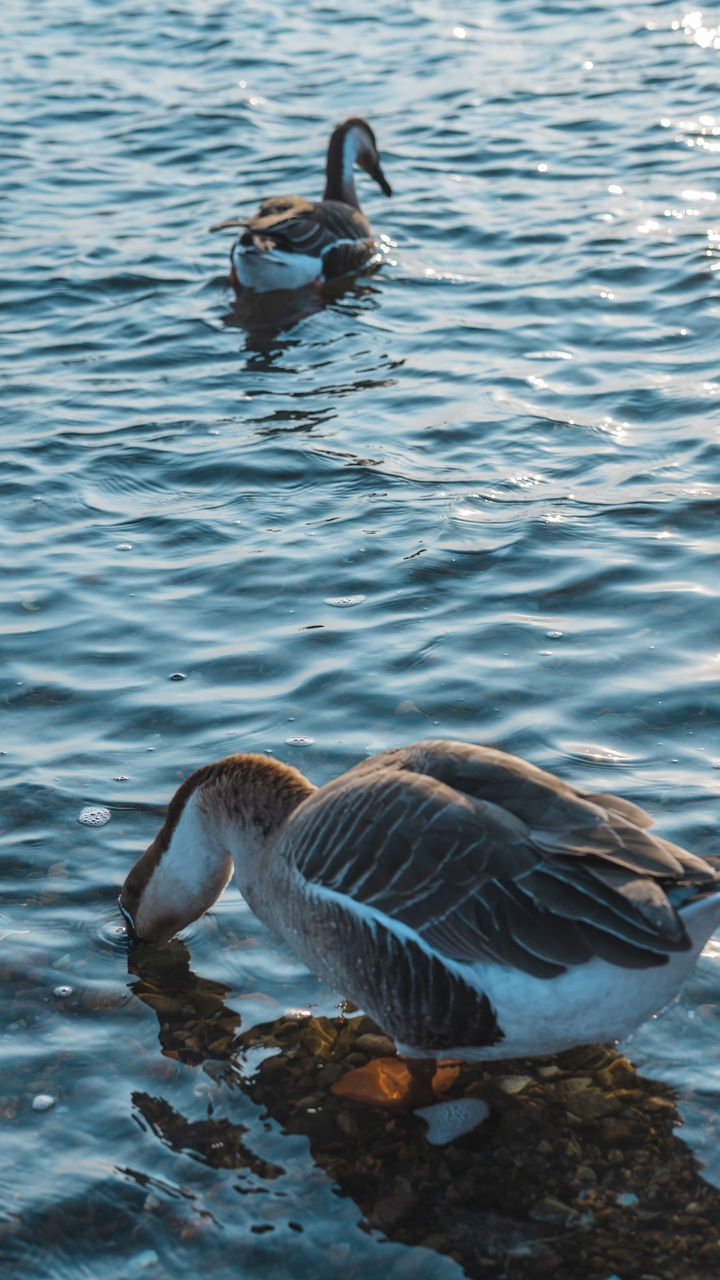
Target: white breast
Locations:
point(269, 269)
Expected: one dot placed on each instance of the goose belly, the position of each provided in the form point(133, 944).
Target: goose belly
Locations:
point(592, 1003)
point(435, 1007)
point(595, 1003)
point(265, 270)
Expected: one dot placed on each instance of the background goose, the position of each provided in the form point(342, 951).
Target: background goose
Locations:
point(473, 904)
point(292, 242)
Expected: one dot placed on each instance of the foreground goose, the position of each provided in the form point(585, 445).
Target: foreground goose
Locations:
point(472, 904)
point(292, 242)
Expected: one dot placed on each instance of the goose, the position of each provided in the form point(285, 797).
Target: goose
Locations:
point(291, 241)
point(473, 904)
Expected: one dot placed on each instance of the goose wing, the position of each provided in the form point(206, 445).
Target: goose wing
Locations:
point(305, 226)
point(482, 856)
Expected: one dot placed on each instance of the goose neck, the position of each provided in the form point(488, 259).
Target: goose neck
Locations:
point(340, 184)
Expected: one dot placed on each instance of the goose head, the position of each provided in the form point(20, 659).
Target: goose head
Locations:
point(352, 142)
point(221, 819)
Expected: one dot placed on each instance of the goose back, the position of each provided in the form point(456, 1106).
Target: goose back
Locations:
point(484, 857)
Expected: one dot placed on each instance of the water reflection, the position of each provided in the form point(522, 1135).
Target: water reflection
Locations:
point(195, 1023)
point(577, 1171)
point(267, 318)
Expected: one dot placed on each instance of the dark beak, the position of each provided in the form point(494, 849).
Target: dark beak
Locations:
point(377, 173)
point(132, 936)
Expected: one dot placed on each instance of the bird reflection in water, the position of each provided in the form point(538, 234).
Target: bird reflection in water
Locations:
point(576, 1172)
point(268, 319)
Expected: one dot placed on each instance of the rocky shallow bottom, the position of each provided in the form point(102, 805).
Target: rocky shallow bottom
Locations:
point(577, 1171)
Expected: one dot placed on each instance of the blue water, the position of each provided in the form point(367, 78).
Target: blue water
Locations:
point(475, 495)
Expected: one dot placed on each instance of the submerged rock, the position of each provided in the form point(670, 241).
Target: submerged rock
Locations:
point(576, 1174)
point(43, 1102)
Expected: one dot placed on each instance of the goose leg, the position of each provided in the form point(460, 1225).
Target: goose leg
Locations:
point(420, 1092)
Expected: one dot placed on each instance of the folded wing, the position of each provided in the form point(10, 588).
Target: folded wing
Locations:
point(481, 856)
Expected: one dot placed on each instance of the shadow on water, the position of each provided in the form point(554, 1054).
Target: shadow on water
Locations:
point(577, 1171)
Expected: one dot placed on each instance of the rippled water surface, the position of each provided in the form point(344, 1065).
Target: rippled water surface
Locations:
point(474, 495)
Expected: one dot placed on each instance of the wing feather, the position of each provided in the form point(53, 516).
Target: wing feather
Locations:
point(482, 856)
point(314, 228)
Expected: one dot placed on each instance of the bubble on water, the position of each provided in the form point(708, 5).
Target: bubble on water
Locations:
point(553, 635)
point(62, 992)
point(344, 602)
point(177, 675)
point(299, 741)
point(43, 1102)
point(94, 817)
point(121, 777)
point(112, 932)
point(123, 546)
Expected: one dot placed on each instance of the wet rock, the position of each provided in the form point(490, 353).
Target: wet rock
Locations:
point(535, 1192)
point(615, 1131)
point(579, 1096)
point(390, 1210)
point(43, 1102)
point(347, 1124)
point(331, 1072)
point(515, 1084)
point(549, 1209)
point(619, 1074)
point(378, 1045)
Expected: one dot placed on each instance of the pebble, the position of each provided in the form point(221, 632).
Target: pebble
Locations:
point(515, 1084)
point(449, 1120)
point(550, 1209)
point(43, 1102)
point(94, 817)
point(370, 1042)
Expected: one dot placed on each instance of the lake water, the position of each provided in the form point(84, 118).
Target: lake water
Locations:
point(474, 495)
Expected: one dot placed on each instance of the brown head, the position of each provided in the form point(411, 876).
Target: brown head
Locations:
point(222, 816)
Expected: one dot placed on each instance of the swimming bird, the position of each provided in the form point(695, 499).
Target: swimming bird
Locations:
point(292, 242)
point(473, 904)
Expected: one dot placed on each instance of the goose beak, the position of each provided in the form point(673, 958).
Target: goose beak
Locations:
point(376, 172)
point(132, 935)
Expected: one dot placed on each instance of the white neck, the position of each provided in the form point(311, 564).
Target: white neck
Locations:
point(353, 143)
point(192, 873)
